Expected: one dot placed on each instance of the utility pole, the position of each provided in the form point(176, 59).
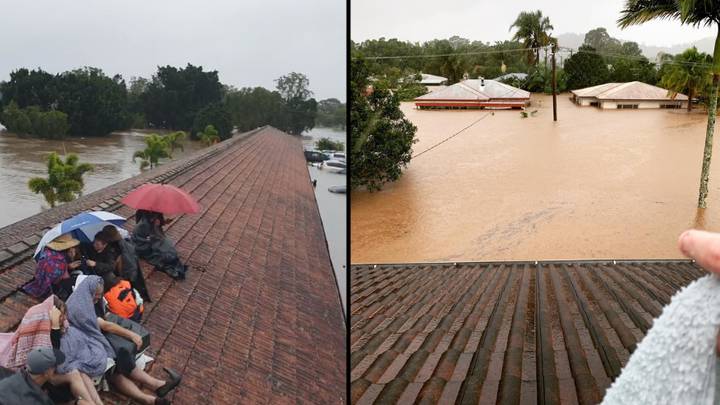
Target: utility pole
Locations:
point(554, 89)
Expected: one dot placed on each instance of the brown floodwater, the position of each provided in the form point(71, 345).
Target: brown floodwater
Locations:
point(617, 184)
point(24, 158)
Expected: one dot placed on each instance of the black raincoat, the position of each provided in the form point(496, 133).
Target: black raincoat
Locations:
point(153, 246)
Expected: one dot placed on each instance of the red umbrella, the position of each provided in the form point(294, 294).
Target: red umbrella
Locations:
point(162, 198)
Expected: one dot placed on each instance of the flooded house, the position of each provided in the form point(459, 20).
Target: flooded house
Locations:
point(432, 81)
point(475, 93)
point(630, 95)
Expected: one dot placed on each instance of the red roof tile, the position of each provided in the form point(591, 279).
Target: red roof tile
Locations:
point(513, 332)
point(258, 318)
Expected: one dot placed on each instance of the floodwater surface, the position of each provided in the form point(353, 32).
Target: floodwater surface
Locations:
point(597, 184)
point(24, 158)
point(332, 207)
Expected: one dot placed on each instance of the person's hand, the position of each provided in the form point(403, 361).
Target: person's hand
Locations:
point(74, 265)
point(55, 318)
point(137, 340)
point(90, 263)
point(703, 247)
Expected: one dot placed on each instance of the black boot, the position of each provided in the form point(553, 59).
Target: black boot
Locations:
point(173, 382)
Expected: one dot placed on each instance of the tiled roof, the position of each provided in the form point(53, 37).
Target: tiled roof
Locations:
point(258, 319)
point(510, 332)
point(627, 91)
point(471, 90)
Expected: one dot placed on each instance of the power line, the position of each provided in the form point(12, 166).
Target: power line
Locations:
point(451, 136)
point(606, 54)
point(450, 54)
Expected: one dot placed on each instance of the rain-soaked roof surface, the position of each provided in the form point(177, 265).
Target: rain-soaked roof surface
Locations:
point(627, 91)
point(501, 332)
point(476, 89)
point(258, 318)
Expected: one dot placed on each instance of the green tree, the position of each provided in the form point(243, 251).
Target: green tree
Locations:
point(251, 108)
point(65, 179)
point(694, 13)
point(30, 87)
point(380, 137)
point(299, 110)
point(216, 115)
point(156, 148)
point(95, 103)
point(209, 136)
point(15, 119)
point(601, 41)
point(329, 144)
point(628, 70)
point(174, 96)
point(533, 30)
point(585, 68)
point(331, 113)
point(175, 141)
point(690, 74)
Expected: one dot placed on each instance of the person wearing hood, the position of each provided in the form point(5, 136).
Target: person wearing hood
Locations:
point(88, 351)
point(127, 264)
point(154, 246)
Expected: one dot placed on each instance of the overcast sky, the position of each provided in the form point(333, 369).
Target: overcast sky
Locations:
point(250, 43)
point(488, 21)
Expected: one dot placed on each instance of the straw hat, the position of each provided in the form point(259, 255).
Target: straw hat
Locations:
point(63, 242)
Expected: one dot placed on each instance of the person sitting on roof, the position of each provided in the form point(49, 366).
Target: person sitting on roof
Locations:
point(127, 263)
point(120, 299)
point(154, 246)
point(100, 260)
point(42, 327)
point(88, 351)
point(54, 264)
point(25, 387)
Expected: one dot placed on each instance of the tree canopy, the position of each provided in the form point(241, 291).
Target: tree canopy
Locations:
point(533, 30)
point(94, 103)
point(65, 179)
point(175, 95)
point(381, 137)
point(585, 69)
point(690, 74)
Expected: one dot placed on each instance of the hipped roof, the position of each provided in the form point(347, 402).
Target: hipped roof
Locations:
point(627, 91)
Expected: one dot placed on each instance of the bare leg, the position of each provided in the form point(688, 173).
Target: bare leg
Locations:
point(127, 387)
point(77, 386)
point(140, 376)
point(91, 388)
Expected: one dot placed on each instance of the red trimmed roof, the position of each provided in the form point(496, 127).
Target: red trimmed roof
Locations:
point(258, 318)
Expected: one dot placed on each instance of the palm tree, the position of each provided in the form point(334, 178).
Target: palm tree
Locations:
point(534, 31)
point(64, 182)
point(157, 147)
point(209, 136)
point(175, 140)
point(691, 73)
point(695, 13)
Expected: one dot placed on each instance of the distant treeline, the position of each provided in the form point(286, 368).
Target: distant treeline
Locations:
point(600, 59)
point(86, 102)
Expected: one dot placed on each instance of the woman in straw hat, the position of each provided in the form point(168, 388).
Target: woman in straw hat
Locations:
point(54, 265)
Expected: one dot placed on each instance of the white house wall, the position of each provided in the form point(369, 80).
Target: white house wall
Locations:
point(612, 105)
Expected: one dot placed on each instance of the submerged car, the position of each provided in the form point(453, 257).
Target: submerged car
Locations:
point(314, 156)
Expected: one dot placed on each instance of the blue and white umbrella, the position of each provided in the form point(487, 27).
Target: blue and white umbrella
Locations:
point(83, 227)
